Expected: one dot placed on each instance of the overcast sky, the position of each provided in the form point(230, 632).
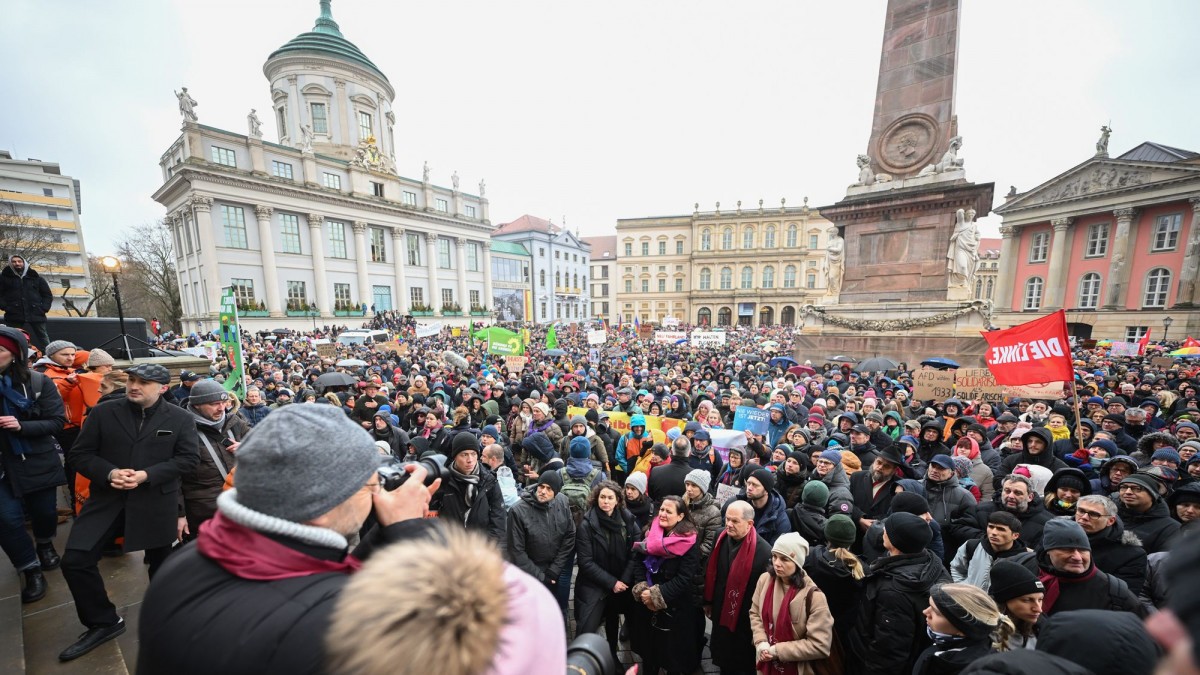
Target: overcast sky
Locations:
point(603, 110)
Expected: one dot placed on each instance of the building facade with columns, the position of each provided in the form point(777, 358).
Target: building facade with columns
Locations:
point(602, 270)
point(1113, 241)
point(559, 280)
point(987, 268)
point(320, 222)
point(751, 267)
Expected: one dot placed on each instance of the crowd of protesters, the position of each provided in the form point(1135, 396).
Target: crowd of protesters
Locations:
point(864, 532)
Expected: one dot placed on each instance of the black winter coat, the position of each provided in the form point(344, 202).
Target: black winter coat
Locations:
point(202, 485)
point(1119, 553)
point(1101, 591)
point(1155, 527)
point(838, 584)
point(668, 479)
point(951, 658)
point(734, 650)
point(667, 637)
point(160, 440)
point(41, 467)
point(24, 299)
point(541, 537)
point(953, 507)
point(486, 511)
point(1032, 519)
point(199, 618)
point(890, 631)
point(868, 505)
point(602, 562)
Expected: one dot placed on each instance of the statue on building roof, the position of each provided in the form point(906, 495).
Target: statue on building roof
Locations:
point(254, 123)
point(1101, 145)
point(306, 137)
point(187, 105)
point(865, 175)
point(425, 173)
point(454, 180)
point(482, 188)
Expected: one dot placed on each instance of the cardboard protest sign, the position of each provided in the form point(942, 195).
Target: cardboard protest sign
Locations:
point(597, 337)
point(1049, 391)
point(726, 493)
point(977, 384)
point(329, 350)
point(756, 420)
point(933, 384)
point(515, 364)
point(669, 336)
point(1162, 362)
point(645, 331)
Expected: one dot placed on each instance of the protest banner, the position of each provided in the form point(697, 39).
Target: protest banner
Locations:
point(1124, 349)
point(724, 439)
point(658, 426)
point(593, 355)
point(515, 364)
point(1033, 352)
point(977, 384)
point(429, 329)
point(756, 420)
point(707, 338)
point(1162, 362)
point(597, 337)
point(230, 334)
point(329, 350)
point(670, 322)
point(1049, 391)
point(669, 336)
point(933, 384)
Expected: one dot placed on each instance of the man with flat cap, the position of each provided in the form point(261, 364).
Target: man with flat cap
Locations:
point(135, 451)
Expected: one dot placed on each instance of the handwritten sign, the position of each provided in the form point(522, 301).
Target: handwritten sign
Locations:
point(707, 338)
point(670, 321)
point(933, 384)
point(329, 350)
point(597, 337)
point(386, 347)
point(977, 384)
point(1124, 349)
point(1162, 362)
point(428, 329)
point(515, 364)
point(756, 420)
point(1049, 391)
point(669, 336)
point(725, 493)
point(645, 331)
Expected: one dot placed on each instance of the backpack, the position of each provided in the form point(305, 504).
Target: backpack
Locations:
point(577, 492)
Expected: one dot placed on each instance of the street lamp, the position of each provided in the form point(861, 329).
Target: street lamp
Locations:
point(1166, 327)
point(112, 265)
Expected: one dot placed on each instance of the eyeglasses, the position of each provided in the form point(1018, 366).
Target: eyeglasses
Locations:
point(1090, 515)
point(1132, 488)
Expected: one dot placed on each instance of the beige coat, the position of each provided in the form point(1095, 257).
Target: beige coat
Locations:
point(814, 635)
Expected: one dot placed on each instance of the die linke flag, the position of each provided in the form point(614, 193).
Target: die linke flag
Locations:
point(1031, 353)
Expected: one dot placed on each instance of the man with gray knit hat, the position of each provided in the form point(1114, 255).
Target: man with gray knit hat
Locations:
point(219, 435)
point(255, 591)
point(1064, 565)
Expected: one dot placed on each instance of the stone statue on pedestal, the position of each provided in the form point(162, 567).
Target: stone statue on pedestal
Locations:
point(865, 175)
point(963, 255)
point(950, 160)
point(187, 106)
point(254, 123)
point(482, 188)
point(1101, 145)
point(306, 138)
point(454, 180)
point(425, 173)
point(835, 261)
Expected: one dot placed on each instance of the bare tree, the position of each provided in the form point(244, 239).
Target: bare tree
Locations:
point(148, 262)
point(100, 295)
point(20, 235)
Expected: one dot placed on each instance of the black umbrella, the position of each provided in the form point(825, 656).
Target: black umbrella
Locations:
point(281, 331)
point(877, 364)
point(940, 363)
point(328, 380)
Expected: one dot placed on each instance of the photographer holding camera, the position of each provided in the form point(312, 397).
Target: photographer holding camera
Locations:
point(255, 591)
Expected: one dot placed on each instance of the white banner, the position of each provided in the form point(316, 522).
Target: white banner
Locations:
point(669, 336)
point(670, 322)
point(1124, 349)
point(429, 329)
point(708, 338)
point(597, 337)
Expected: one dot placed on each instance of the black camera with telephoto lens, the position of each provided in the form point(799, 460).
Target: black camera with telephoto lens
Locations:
point(393, 474)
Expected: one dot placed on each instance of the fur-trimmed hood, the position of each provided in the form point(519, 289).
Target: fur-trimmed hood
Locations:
point(1146, 443)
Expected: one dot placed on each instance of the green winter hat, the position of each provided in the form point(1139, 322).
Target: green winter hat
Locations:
point(839, 531)
point(816, 493)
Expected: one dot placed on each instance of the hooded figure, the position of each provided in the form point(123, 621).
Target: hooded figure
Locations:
point(1043, 457)
point(25, 298)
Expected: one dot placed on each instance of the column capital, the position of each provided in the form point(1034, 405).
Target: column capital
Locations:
point(340, 84)
point(460, 242)
point(292, 79)
point(1125, 214)
point(1009, 231)
point(263, 212)
point(315, 220)
point(397, 231)
point(202, 202)
point(1061, 224)
point(1195, 203)
point(360, 226)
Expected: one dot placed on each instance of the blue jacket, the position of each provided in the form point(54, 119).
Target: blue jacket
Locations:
point(771, 521)
point(256, 413)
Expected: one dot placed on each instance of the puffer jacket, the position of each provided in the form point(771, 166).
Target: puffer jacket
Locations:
point(973, 562)
point(841, 500)
point(541, 537)
point(1119, 552)
point(706, 516)
point(1155, 527)
point(954, 510)
point(890, 632)
point(255, 413)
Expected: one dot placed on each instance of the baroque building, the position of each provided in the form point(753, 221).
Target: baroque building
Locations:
point(559, 266)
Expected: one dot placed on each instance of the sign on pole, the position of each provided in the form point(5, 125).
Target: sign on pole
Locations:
point(230, 334)
point(933, 384)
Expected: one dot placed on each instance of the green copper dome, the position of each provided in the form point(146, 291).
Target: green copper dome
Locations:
point(326, 39)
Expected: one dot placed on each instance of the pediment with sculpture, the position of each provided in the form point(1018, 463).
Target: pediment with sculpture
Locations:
point(1098, 177)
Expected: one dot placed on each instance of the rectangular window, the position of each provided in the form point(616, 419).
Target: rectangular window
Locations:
point(470, 211)
point(333, 181)
point(543, 310)
point(416, 295)
point(541, 253)
point(1135, 333)
point(47, 192)
point(289, 230)
point(678, 285)
point(603, 289)
point(645, 248)
point(679, 248)
point(645, 285)
point(409, 198)
point(442, 205)
point(474, 298)
point(443, 250)
point(296, 294)
point(364, 126)
point(628, 250)
point(472, 257)
point(662, 285)
point(557, 255)
point(628, 285)
point(812, 241)
point(662, 248)
point(281, 120)
point(224, 156)
point(51, 214)
point(413, 244)
point(811, 281)
point(1097, 241)
point(1166, 232)
point(1039, 247)
point(382, 298)
point(341, 295)
point(378, 245)
point(282, 169)
point(447, 296)
point(320, 121)
point(243, 291)
point(377, 189)
point(234, 220)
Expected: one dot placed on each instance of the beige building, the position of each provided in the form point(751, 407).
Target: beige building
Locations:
point(603, 272)
point(753, 267)
point(987, 268)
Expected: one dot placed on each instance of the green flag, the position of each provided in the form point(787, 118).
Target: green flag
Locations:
point(501, 341)
point(231, 341)
point(551, 339)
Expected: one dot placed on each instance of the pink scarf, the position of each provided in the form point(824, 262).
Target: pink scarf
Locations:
point(671, 546)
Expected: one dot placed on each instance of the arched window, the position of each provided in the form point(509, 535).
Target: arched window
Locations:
point(724, 316)
point(706, 279)
point(789, 276)
point(978, 287)
point(791, 236)
point(787, 316)
point(747, 277)
point(727, 238)
point(1089, 291)
point(1158, 284)
point(769, 237)
point(542, 277)
point(557, 279)
point(704, 317)
point(989, 288)
point(748, 237)
point(1033, 293)
point(726, 278)
point(706, 239)
point(768, 277)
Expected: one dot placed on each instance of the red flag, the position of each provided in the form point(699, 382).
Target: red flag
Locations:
point(1143, 342)
point(1031, 353)
point(1191, 342)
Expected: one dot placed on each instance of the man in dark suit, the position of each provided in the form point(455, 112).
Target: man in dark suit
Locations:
point(873, 489)
point(135, 452)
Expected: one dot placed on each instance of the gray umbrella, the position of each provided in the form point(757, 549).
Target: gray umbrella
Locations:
point(328, 380)
point(876, 364)
point(842, 359)
point(554, 352)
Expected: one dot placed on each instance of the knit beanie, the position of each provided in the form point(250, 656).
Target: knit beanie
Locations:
point(908, 533)
point(765, 477)
point(578, 419)
point(1109, 447)
point(816, 494)
point(490, 430)
point(910, 502)
point(463, 441)
point(207, 391)
point(58, 346)
point(792, 546)
point(580, 447)
point(1146, 481)
point(10, 343)
point(1168, 454)
point(698, 477)
point(301, 461)
point(99, 357)
point(832, 456)
point(1064, 533)
point(958, 616)
point(551, 478)
point(673, 433)
point(840, 531)
point(1012, 580)
point(1123, 631)
point(639, 480)
point(1194, 444)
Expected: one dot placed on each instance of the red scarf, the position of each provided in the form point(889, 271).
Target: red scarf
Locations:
point(778, 629)
point(1051, 583)
point(735, 584)
point(247, 554)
